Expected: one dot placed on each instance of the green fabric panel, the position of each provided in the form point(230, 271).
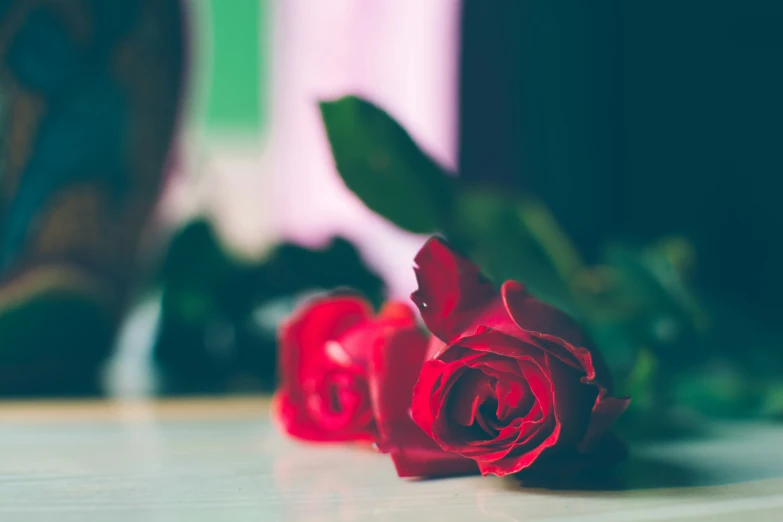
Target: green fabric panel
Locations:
point(238, 83)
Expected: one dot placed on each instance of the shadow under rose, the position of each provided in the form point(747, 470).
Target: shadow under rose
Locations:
point(726, 453)
point(637, 473)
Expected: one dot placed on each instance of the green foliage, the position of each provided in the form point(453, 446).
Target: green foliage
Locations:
point(219, 314)
point(722, 389)
point(384, 167)
point(641, 383)
point(492, 229)
point(772, 404)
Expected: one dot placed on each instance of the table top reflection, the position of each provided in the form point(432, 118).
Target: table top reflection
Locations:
point(199, 460)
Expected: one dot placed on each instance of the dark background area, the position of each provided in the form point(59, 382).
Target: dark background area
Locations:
point(635, 120)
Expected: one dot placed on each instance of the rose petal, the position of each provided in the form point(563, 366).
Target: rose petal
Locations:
point(573, 401)
point(515, 399)
point(302, 338)
point(426, 459)
point(540, 384)
point(441, 427)
point(422, 393)
point(496, 366)
point(533, 315)
point(394, 370)
point(340, 402)
point(606, 411)
point(512, 391)
point(514, 463)
point(563, 337)
point(487, 420)
point(451, 289)
point(435, 348)
point(337, 354)
point(473, 390)
point(510, 433)
point(292, 418)
point(533, 431)
point(496, 342)
point(397, 314)
point(512, 438)
point(357, 342)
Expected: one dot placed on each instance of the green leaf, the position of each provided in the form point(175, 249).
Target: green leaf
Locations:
point(773, 401)
point(490, 227)
point(554, 241)
point(661, 312)
point(641, 383)
point(720, 389)
point(379, 161)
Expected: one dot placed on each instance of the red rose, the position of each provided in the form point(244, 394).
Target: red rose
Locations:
point(516, 381)
point(323, 393)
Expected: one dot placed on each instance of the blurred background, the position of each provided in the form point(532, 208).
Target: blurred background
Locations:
point(623, 159)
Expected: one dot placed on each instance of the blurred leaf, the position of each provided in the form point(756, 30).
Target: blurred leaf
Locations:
point(671, 260)
point(553, 240)
point(210, 337)
point(194, 253)
point(719, 389)
point(641, 383)
point(773, 401)
point(490, 228)
point(650, 415)
point(636, 282)
point(194, 271)
point(659, 312)
point(291, 269)
point(383, 166)
point(598, 291)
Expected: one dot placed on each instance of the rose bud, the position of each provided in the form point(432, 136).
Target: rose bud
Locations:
point(515, 382)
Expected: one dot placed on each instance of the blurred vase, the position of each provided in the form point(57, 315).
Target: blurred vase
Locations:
point(89, 93)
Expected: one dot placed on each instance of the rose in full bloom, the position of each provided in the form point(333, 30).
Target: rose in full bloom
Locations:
point(514, 383)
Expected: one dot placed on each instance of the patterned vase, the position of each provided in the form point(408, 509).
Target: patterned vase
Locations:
point(89, 95)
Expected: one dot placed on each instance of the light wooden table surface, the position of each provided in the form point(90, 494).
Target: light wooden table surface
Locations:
point(215, 460)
